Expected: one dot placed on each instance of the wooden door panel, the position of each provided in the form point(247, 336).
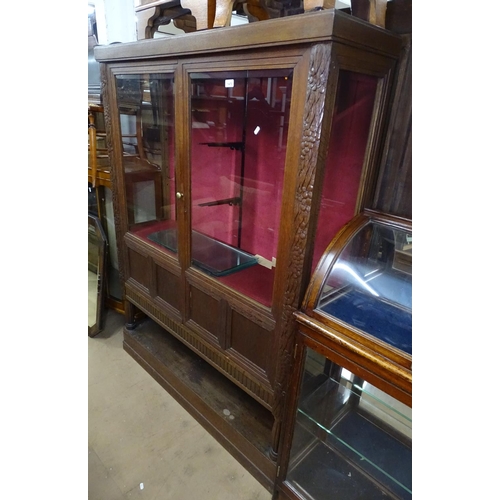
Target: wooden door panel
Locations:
point(207, 315)
point(168, 287)
point(250, 340)
point(139, 269)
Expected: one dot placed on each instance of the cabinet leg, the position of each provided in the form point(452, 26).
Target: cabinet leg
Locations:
point(130, 316)
point(275, 439)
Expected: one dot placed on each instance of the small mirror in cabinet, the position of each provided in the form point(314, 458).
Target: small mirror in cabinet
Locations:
point(97, 248)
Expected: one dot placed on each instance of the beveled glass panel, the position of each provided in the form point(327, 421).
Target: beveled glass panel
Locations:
point(146, 105)
point(239, 125)
point(351, 440)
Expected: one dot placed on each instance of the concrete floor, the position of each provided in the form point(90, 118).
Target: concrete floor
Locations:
point(142, 443)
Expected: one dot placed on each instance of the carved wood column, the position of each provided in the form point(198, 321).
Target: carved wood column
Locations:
point(315, 136)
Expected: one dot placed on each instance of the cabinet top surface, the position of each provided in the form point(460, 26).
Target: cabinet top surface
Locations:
point(307, 28)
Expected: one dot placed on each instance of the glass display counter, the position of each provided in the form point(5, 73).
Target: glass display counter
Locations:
point(369, 284)
point(351, 440)
point(348, 431)
point(362, 286)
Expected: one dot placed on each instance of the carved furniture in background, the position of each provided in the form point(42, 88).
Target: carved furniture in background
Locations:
point(194, 15)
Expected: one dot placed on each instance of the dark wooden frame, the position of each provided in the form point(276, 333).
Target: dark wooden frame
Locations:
point(316, 46)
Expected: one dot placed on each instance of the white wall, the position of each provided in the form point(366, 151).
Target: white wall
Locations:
point(115, 21)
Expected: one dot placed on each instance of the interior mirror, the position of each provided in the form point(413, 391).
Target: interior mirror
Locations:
point(97, 267)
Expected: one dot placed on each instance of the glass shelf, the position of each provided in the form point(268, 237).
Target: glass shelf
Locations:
point(210, 255)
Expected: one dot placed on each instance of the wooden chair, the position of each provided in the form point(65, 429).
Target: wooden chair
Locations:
point(193, 15)
point(373, 11)
point(98, 160)
point(224, 9)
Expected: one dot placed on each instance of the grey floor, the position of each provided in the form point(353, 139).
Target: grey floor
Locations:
point(142, 443)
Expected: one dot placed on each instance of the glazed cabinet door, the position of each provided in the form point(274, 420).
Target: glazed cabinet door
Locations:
point(238, 129)
point(145, 156)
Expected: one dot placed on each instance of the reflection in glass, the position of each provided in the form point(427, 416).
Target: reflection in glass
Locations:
point(351, 123)
point(351, 440)
point(97, 246)
point(370, 285)
point(239, 126)
point(146, 105)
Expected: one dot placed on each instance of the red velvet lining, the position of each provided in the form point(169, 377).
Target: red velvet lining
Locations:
point(346, 152)
point(255, 282)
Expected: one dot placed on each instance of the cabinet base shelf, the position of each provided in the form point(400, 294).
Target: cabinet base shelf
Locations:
point(240, 424)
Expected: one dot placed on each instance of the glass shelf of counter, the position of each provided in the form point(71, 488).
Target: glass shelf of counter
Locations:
point(351, 440)
point(214, 257)
point(364, 281)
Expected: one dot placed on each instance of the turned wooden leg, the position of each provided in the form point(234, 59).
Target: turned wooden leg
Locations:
point(145, 19)
point(275, 440)
point(223, 11)
point(203, 11)
point(372, 11)
point(256, 8)
point(130, 315)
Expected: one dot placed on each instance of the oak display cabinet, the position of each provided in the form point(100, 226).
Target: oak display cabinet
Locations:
point(261, 142)
point(348, 428)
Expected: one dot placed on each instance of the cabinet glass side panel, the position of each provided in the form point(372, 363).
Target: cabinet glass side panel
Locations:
point(352, 118)
point(351, 440)
point(239, 128)
point(370, 285)
point(146, 106)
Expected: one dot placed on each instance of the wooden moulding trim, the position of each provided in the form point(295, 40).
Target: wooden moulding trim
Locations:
point(369, 342)
point(241, 378)
point(309, 27)
point(399, 373)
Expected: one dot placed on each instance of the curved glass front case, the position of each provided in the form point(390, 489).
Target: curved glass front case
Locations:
point(368, 285)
